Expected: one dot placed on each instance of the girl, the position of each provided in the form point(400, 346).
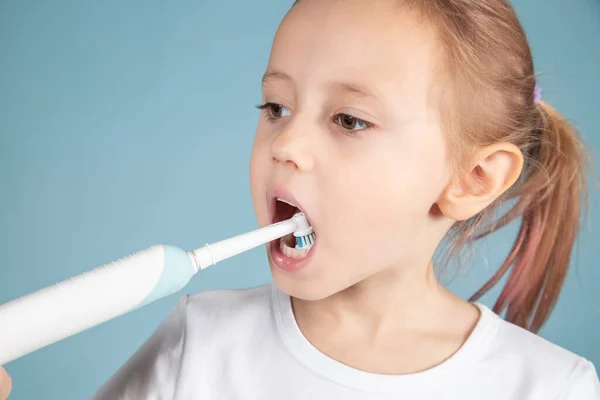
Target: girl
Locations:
point(393, 124)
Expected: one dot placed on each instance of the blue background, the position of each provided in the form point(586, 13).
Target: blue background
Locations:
point(125, 124)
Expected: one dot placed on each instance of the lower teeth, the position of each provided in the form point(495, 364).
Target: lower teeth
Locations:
point(289, 251)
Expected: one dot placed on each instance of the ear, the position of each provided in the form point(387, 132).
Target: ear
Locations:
point(491, 171)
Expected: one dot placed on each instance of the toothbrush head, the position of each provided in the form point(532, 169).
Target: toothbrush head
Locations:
point(304, 234)
point(305, 242)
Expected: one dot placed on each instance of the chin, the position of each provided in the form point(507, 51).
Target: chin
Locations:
point(306, 286)
point(303, 288)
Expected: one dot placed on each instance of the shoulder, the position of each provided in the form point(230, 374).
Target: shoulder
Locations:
point(199, 326)
point(544, 363)
point(233, 308)
point(216, 302)
point(512, 339)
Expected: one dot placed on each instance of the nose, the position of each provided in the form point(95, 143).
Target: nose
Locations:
point(292, 146)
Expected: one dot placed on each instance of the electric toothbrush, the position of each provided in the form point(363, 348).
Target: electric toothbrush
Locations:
point(74, 305)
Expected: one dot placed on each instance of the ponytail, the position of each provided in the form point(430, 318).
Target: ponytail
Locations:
point(550, 202)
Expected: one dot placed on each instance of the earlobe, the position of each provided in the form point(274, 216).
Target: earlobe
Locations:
point(491, 171)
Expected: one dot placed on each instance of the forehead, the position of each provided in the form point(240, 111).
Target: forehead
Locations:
point(369, 42)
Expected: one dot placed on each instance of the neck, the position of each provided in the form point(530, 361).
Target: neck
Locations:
point(398, 321)
point(410, 296)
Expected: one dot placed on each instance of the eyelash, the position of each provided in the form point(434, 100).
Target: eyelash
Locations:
point(267, 108)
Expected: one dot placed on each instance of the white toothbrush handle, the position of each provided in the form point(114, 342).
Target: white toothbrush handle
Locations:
point(64, 309)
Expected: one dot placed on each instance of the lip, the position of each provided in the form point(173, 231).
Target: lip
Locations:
point(283, 262)
point(286, 263)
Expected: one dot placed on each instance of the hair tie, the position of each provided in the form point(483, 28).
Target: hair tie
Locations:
point(537, 94)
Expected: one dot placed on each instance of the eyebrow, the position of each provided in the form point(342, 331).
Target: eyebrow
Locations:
point(356, 89)
point(348, 87)
point(272, 75)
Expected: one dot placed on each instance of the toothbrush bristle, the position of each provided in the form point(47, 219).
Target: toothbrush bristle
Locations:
point(303, 242)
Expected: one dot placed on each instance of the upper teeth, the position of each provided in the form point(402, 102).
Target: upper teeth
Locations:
point(287, 202)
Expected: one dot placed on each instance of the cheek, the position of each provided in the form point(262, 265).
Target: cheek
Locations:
point(384, 198)
point(259, 170)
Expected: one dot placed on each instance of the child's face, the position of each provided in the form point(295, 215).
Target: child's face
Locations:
point(368, 191)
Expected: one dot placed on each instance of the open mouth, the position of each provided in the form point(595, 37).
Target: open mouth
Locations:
point(284, 210)
point(287, 245)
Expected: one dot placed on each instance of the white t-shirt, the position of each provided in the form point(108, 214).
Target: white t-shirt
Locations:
point(245, 344)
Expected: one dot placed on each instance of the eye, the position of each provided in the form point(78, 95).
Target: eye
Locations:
point(275, 111)
point(351, 123)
